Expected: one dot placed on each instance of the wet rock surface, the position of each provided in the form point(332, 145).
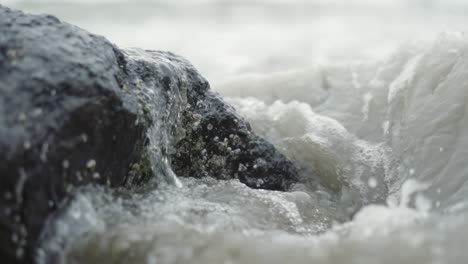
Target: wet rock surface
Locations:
point(75, 109)
point(64, 121)
point(221, 144)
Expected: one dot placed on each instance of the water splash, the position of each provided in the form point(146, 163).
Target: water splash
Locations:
point(391, 186)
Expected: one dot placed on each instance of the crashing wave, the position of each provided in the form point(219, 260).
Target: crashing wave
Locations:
point(387, 139)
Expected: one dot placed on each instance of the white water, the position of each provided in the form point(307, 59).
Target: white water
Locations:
point(378, 123)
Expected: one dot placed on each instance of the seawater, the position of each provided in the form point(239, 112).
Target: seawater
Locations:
point(370, 100)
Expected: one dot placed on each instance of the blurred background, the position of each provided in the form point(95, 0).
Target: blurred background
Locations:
point(228, 38)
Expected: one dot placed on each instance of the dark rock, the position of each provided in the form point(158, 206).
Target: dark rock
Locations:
point(221, 144)
point(74, 110)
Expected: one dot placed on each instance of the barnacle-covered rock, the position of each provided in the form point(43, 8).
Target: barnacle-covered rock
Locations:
point(75, 109)
point(221, 144)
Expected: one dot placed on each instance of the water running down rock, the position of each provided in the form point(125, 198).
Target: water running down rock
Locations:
point(380, 140)
point(75, 109)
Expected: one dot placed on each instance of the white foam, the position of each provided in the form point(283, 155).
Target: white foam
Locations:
point(382, 142)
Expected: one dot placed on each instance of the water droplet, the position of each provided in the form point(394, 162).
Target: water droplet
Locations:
point(22, 117)
point(19, 253)
point(23, 230)
point(8, 195)
point(209, 127)
point(372, 182)
point(259, 182)
point(7, 211)
point(91, 164)
point(65, 164)
point(44, 150)
point(242, 167)
point(27, 145)
point(422, 203)
point(78, 176)
point(37, 112)
point(386, 127)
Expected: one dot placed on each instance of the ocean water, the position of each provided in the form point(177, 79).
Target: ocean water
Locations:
point(369, 99)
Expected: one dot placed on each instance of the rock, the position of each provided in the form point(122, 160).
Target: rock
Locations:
point(64, 121)
point(75, 109)
point(221, 144)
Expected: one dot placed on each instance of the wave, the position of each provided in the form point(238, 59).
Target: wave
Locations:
point(382, 147)
point(407, 113)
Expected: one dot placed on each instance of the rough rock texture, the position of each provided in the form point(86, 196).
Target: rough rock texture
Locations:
point(74, 109)
point(220, 143)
